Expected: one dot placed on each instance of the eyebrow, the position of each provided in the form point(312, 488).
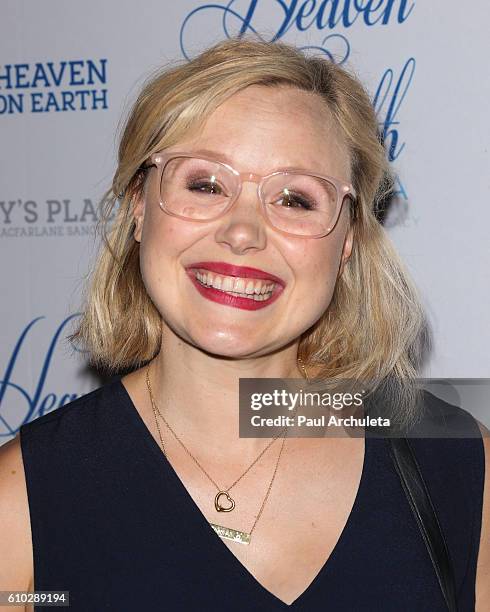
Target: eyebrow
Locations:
point(225, 158)
point(210, 153)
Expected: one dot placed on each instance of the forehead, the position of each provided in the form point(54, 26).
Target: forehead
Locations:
point(262, 128)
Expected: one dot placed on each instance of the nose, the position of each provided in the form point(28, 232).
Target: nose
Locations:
point(242, 228)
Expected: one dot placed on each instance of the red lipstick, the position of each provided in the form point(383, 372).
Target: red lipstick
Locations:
point(221, 267)
point(221, 297)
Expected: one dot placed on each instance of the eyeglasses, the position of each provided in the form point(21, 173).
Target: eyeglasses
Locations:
point(294, 202)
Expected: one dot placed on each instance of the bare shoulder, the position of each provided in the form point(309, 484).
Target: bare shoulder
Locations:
point(16, 563)
point(483, 567)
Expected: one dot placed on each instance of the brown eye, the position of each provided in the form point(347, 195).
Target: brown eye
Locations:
point(205, 186)
point(289, 199)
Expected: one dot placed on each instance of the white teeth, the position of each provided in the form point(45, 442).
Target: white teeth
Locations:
point(227, 284)
point(249, 288)
point(239, 286)
point(255, 298)
point(235, 284)
point(257, 290)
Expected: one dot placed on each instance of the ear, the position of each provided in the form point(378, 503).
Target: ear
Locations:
point(138, 215)
point(347, 248)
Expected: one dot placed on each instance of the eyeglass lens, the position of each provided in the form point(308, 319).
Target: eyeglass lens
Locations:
point(200, 189)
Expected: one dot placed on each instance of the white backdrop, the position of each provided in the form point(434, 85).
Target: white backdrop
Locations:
point(68, 71)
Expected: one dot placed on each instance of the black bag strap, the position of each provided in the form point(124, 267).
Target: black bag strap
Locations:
point(418, 497)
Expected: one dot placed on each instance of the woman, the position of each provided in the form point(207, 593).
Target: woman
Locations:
point(244, 246)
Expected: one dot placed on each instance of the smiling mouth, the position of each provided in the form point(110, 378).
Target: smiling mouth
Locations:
point(258, 290)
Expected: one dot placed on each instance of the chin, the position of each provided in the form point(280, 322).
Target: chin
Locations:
point(227, 345)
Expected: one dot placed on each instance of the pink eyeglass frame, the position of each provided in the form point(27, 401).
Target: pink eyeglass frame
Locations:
point(160, 160)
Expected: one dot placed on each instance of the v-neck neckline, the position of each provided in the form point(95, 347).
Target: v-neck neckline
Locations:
point(235, 565)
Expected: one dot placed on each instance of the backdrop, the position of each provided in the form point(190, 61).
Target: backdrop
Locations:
point(69, 71)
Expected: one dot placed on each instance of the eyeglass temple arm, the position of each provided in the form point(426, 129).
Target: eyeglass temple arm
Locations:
point(147, 166)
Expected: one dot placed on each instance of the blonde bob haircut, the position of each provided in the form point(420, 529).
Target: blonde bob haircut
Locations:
point(374, 327)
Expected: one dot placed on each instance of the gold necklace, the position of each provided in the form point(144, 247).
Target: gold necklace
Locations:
point(225, 532)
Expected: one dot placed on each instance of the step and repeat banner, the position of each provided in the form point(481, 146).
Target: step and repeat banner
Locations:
point(70, 70)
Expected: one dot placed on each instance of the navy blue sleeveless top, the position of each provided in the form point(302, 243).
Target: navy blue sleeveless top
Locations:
point(107, 511)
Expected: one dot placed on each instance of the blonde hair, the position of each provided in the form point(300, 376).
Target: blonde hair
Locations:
point(374, 327)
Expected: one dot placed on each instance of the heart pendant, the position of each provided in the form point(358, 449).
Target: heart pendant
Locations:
point(220, 508)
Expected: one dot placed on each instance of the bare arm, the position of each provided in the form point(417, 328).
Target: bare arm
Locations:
point(483, 566)
point(16, 562)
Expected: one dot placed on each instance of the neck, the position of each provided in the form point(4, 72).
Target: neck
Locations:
point(198, 394)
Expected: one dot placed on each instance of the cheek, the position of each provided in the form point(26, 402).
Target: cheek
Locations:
point(164, 240)
point(316, 270)
point(163, 237)
point(161, 243)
